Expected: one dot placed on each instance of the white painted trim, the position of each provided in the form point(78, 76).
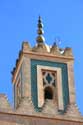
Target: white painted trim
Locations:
point(41, 88)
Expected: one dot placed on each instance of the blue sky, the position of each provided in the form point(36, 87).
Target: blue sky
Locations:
point(18, 22)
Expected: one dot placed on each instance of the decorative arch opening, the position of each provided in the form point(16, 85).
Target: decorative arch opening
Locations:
point(48, 93)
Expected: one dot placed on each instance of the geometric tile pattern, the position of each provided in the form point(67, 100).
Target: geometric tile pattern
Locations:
point(48, 78)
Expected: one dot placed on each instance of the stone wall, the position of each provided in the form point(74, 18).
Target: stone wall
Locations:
point(13, 119)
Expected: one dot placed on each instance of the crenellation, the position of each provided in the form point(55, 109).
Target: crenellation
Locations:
point(68, 51)
point(4, 102)
point(55, 50)
point(26, 46)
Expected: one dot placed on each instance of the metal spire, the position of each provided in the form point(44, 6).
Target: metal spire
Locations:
point(40, 32)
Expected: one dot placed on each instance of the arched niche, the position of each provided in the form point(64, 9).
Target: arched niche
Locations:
point(48, 93)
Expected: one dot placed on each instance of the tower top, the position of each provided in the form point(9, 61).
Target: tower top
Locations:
point(42, 48)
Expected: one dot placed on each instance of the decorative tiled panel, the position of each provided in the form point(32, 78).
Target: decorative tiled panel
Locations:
point(63, 67)
point(48, 78)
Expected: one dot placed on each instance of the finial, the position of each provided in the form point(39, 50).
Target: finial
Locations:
point(40, 38)
point(40, 25)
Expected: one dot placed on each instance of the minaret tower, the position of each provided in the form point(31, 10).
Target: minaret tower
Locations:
point(43, 79)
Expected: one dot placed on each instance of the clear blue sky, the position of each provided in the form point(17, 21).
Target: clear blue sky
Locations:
point(18, 22)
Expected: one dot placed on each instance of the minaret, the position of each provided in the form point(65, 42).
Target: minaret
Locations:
point(44, 78)
point(43, 86)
